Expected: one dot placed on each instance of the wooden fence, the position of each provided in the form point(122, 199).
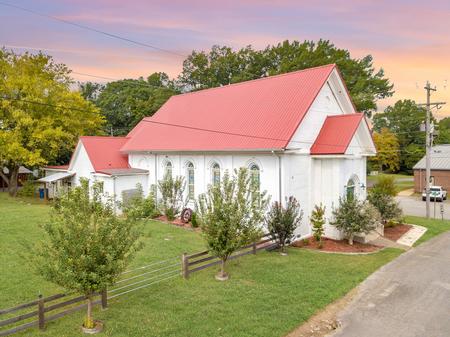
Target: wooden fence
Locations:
point(40, 309)
point(199, 261)
point(46, 309)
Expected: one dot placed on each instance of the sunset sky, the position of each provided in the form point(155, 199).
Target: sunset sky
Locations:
point(409, 39)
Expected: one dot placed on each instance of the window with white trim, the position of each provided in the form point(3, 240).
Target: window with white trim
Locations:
point(215, 174)
point(255, 176)
point(191, 180)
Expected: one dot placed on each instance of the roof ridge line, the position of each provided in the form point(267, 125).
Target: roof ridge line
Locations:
point(333, 65)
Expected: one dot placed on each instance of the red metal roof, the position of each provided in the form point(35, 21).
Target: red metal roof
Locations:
point(104, 152)
point(252, 115)
point(336, 134)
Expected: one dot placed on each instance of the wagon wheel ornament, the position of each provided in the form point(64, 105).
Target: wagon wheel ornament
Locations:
point(186, 215)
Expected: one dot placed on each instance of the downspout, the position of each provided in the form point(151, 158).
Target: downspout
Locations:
point(279, 176)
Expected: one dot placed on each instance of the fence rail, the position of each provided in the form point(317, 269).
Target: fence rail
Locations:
point(199, 261)
point(46, 309)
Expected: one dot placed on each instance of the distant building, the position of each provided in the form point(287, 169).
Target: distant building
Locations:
point(440, 169)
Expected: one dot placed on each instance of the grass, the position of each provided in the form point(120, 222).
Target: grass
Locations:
point(267, 294)
point(399, 182)
point(434, 227)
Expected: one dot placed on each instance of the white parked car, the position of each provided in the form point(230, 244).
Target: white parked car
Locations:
point(436, 193)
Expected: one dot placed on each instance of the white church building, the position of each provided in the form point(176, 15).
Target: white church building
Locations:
point(298, 133)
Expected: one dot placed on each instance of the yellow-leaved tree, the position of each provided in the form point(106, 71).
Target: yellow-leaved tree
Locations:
point(388, 151)
point(40, 116)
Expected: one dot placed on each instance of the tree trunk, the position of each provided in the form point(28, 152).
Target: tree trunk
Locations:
point(13, 184)
point(222, 268)
point(4, 177)
point(350, 239)
point(89, 321)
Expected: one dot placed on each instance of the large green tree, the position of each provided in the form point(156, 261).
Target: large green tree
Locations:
point(404, 119)
point(222, 65)
point(388, 151)
point(40, 117)
point(125, 102)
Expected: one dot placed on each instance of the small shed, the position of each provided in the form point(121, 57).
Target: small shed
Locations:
point(440, 169)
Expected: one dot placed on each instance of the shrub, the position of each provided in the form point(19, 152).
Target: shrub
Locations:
point(385, 185)
point(354, 216)
point(282, 221)
point(318, 220)
point(387, 207)
point(28, 189)
point(172, 190)
point(140, 207)
point(194, 221)
point(229, 214)
point(87, 245)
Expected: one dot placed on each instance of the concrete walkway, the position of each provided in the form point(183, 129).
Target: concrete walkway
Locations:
point(409, 297)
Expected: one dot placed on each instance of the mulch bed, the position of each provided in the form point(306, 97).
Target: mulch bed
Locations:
point(337, 246)
point(176, 222)
point(396, 232)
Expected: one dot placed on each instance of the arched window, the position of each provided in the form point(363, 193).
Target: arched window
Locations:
point(190, 179)
point(255, 176)
point(350, 189)
point(168, 169)
point(215, 174)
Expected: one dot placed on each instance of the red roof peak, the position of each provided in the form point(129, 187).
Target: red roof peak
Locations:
point(291, 73)
point(104, 151)
point(260, 114)
point(336, 134)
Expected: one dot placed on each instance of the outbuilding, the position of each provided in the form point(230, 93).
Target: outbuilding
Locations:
point(440, 169)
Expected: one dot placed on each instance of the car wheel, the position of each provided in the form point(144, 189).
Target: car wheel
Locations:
point(423, 199)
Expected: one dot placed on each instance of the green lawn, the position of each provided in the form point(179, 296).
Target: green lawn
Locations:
point(399, 180)
point(435, 227)
point(267, 294)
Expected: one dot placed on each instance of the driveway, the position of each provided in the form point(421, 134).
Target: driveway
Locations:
point(409, 297)
point(413, 205)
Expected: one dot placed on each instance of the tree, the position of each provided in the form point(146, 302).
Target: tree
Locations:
point(385, 185)
point(90, 90)
point(87, 245)
point(318, 220)
point(138, 206)
point(354, 217)
point(40, 117)
point(444, 131)
point(282, 222)
point(386, 205)
point(388, 151)
point(230, 214)
point(172, 191)
point(404, 120)
point(125, 102)
point(222, 66)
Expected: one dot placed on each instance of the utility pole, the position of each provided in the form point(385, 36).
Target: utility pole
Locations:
point(428, 142)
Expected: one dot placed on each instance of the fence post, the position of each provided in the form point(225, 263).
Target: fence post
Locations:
point(41, 312)
point(254, 247)
point(104, 295)
point(185, 265)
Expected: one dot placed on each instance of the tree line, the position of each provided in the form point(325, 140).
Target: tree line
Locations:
point(41, 116)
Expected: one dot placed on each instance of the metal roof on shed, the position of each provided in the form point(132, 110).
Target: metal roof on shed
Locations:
point(440, 158)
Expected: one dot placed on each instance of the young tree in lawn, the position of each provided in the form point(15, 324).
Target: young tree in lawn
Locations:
point(230, 214)
point(172, 191)
point(318, 220)
point(282, 222)
point(40, 117)
point(87, 245)
point(354, 217)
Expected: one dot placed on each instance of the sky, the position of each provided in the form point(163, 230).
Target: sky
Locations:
point(409, 39)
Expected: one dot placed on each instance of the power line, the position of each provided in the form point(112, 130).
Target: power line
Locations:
point(142, 44)
point(210, 130)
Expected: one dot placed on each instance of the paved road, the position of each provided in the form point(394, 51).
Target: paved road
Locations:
point(409, 297)
point(413, 205)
